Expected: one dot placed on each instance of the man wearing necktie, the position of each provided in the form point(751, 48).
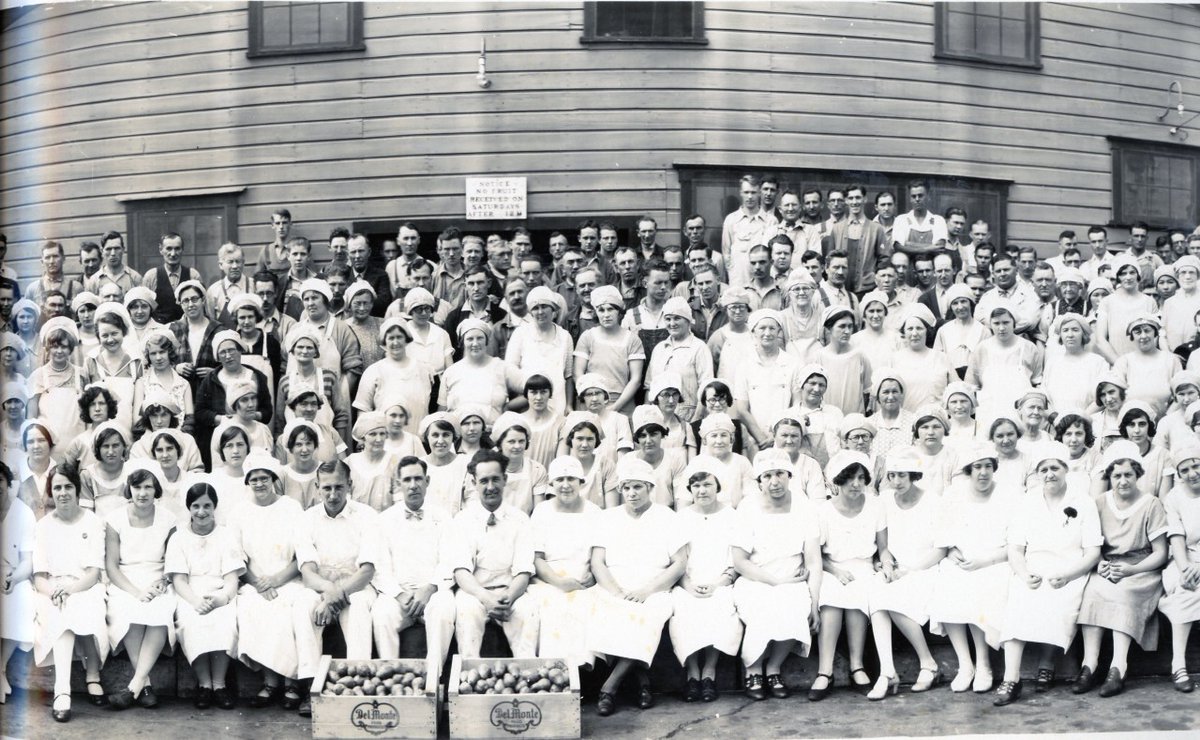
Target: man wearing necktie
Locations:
point(492, 560)
point(163, 280)
point(413, 582)
point(935, 298)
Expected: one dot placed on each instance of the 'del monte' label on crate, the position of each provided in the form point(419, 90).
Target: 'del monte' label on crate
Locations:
point(375, 717)
point(516, 717)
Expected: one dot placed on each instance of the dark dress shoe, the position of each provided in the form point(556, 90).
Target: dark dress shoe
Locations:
point(97, 700)
point(708, 689)
point(692, 693)
point(1114, 684)
point(1182, 681)
point(305, 709)
point(62, 715)
point(1085, 681)
point(147, 699)
point(224, 698)
point(819, 694)
point(266, 696)
point(291, 699)
point(645, 698)
point(755, 688)
point(1008, 692)
point(605, 704)
point(1044, 682)
point(778, 689)
point(121, 700)
point(203, 699)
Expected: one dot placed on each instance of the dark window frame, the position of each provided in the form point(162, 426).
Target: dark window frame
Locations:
point(255, 48)
point(589, 36)
point(1033, 40)
point(141, 249)
point(1120, 148)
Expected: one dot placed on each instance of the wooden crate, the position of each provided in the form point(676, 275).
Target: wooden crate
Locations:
point(551, 715)
point(376, 716)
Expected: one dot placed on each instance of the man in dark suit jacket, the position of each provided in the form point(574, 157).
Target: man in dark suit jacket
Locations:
point(864, 241)
point(943, 279)
point(359, 253)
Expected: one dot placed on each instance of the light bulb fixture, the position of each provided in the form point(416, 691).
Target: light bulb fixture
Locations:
point(1179, 108)
point(481, 77)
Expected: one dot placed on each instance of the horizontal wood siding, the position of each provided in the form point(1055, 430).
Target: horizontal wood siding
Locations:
point(137, 99)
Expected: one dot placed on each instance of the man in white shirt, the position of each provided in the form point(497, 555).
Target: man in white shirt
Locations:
point(885, 212)
point(413, 582)
point(743, 229)
point(919, 231)
point(492, 559)
point(1015, 293)
point(1098, 238)
point(337, 549)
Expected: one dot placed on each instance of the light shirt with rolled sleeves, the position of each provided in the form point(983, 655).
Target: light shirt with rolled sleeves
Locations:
point(414, 549)
point(338, 545)
point(741, 231)
point(494, 554)
point(1026, 302)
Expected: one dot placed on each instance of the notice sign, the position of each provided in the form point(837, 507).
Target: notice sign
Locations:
point(495, 198)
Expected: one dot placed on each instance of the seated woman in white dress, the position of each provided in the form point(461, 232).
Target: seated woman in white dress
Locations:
point(1053, 544)
point(972, 583)
point(563, 528)
point(638, 553)
point(526, 481)
point(265, 531)
point(447, 468)
point(705, 623)
point(17, 523)
point(204, 563)
point(902, 589)
point(141, 602)
point(68, 560)
point(852, 532)
point(1181, 578)
point(778, 561)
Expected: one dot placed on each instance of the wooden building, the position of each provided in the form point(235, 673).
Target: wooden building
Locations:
point(203, 117)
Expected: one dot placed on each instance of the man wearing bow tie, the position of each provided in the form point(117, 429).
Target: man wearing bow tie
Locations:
point(414, 586)
point(492, 558)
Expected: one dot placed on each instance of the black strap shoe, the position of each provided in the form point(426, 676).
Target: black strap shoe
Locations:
point(1008, 692)
point(708, 689)
point(692, 692)
point(778, 688)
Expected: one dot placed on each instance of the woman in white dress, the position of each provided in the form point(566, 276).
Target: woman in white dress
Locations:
point(110, 365)
point(1073, 428)
point(103, 482)
point(479, 378)
point(54, 387)
point(564, 527)
point(265, 531)
point(925, 372)
point(1110, 397)
point(38, 464)
point(972, 583)
point(1147, 368)
point(397, 378)
point(526, 482)
point(16, 600)
point(960, 402)
point(582, 435)
point(960, 334)
point(371, 470)
point(892, 420)
point(639, 551)
point(1138, 427)
point(1012, 464)
point(1069, 361)
point(929, 445)
point(141, 602)
point(901, 591)
point(778, 560)
point(876, 339)
point(852, 532)
point(299, 474)
point(1004, 365)
point(705, 622)
point(68, 561)
point(1181, 578)
point(649, 430)
point(735, 471)
point(447, 469)
point(544, 347)
point(1053, 544)
point(233, 449)
point(204, 562)
point(1032, 408)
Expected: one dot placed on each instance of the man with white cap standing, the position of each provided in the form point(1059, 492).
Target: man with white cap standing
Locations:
point(683, 353)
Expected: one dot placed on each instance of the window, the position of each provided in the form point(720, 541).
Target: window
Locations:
point(997, 33)
point(204, 221)
point(713, 193)
point(1155, 183)
point(624, 22)
point(304, 28)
